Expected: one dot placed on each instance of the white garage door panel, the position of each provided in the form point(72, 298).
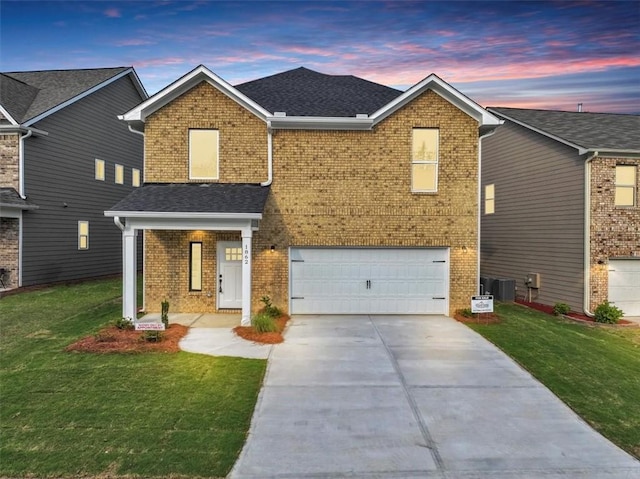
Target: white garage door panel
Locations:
point(369, 281)
point(624, 285)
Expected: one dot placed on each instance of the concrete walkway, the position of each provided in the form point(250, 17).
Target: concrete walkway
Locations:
point(412, 397)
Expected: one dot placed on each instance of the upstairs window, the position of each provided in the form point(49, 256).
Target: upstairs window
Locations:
point(99, 174)
point(625, 185)
point(83, 235)
point(203, 154)
point(424, 167)
point(489, 199)
point(119, 174)
point(135, 177)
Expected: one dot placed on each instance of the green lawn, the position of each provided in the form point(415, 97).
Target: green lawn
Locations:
point(595, 370)
point(68, 414)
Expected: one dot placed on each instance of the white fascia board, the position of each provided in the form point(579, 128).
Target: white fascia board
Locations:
point(22, 129)
point(6, 114)
point(581, 150)
point(184, 84)
point(319, 123)
point(188, 224)
point(78, 97)
point(178, 215)
point(446, 91)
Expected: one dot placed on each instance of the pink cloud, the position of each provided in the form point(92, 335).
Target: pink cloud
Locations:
point(133, 42)
point(158, 62)
point(112, 13)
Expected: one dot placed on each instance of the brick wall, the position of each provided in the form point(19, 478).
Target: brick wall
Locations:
point(9, 228)
point(330, 188)
point(614, 229)
point(9, 161)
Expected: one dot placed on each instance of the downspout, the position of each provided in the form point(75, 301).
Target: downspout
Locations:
point(116, 220)
point(486, 135)
point(269, 156)
point(587, 236)
point(21, 190)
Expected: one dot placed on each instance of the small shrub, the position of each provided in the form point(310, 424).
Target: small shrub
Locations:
point(465, 312)
point(561, 308)
point(104, 337)
point(124, 323)
point(152, 336)
point(269, 308)
point(165, 313)
point(264, 323)
point(608, 313)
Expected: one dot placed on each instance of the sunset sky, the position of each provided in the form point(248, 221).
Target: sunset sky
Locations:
point(529, 54)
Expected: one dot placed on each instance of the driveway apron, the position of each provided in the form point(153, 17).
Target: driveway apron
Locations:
point(412, 397)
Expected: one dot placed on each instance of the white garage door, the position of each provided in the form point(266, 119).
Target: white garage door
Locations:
point(369, 281)
point(624, 285)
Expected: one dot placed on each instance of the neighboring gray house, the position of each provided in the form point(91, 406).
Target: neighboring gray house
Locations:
point(560, 199)
point(64, 158)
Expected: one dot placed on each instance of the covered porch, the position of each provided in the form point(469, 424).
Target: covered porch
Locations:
point(189, 207)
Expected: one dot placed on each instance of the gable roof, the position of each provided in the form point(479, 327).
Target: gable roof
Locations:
point(582, 130)
point(314, 100)
point(27, 97)
point(304, 92)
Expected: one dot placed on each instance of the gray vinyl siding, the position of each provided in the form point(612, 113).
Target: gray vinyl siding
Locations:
point(537, 226)
point(60, 169)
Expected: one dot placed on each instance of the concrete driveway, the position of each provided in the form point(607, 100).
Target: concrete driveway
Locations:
point(412, 397)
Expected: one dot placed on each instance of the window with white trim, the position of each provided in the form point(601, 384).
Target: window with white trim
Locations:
point(203, 154)
point(195, 266)
point(489, 199)
point(83, 235)
point(625, 185)
point(135, 177)
point(424, 160)
point(99, 170)
point(119, 174)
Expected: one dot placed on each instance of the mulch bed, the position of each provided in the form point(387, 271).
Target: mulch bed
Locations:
point(250, 334)
point(114, 340)
point(571, 315)
point(484, 318)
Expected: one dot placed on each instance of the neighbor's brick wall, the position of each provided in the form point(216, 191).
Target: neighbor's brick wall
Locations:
point(330, 188)
point(9, 161)
point(615, 230)
point(242, 137)
point(9, 228)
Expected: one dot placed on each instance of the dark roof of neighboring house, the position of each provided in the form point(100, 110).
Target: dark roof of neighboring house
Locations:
point(304, 92)
point(195, 198)
point(9, 198)
point(26, 95)
point(592, 131)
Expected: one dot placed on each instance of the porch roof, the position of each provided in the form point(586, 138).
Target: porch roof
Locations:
point(9, 198)
point(194, 200)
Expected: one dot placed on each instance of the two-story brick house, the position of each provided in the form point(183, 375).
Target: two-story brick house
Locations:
point(330, 194)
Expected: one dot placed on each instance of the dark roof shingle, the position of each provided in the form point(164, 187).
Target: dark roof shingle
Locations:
point(9, 197)
point(26, 95)
point(587, 130)
point(195, 198)
point(304, 92)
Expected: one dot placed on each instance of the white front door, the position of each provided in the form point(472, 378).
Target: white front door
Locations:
point(229, 274)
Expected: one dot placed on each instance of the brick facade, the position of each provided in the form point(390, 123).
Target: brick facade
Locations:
point(9, 161)
point(330, 188)
point(614, 231)
point(9, 235)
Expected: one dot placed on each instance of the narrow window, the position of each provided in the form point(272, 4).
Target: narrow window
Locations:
point(625, 185)
point(83, 235)
point(424, 168)
point(135, 177)
point(195, 266)
point(489, 199)
point(99, 170)
point(203, 154)
point(119, 174)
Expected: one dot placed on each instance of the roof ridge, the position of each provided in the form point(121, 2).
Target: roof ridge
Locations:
point(67, 70)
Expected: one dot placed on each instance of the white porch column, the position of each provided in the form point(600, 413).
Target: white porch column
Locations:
point(246, 276)
point(129, 270)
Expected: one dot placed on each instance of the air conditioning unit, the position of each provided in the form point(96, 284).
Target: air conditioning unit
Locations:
point(504, 289)
point(486, 285)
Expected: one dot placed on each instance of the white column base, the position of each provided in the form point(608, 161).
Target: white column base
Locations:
point(129, 273)
point(246, 277)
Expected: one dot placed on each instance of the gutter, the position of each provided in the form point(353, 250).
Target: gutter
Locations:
point(587, 236)
point(21, 163)
point(269, 156)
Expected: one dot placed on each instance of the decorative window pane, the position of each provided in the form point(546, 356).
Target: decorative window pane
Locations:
point(489, 199)
point(99, 170)
point(625, 185)
point(195, 269)
point(135, 177)
point(203, 154)
point(83, 235)
point(424, 157)
point(233, 254)
point(119, 174)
